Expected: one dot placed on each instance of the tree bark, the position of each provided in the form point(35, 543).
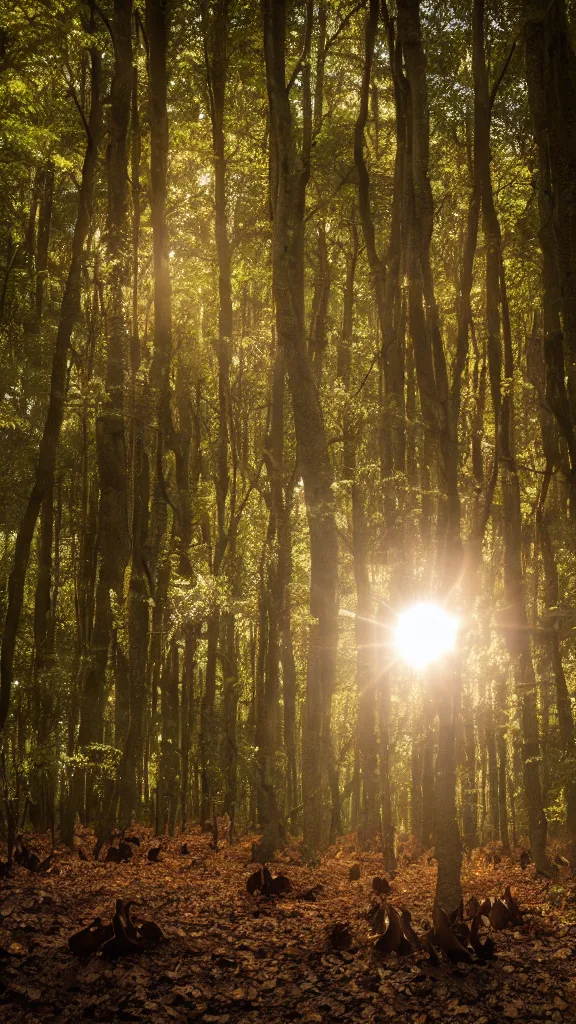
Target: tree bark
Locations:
point(215, 31)
point(500, 338)
point(550, 63)
point(113, 534)
point(43, 239)
point(290, 171)
point(563, 700)
point(365, 629)
point(138, 612)
point(44, 472)
point(432, 378)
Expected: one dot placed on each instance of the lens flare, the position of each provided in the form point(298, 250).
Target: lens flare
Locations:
point(424, 633)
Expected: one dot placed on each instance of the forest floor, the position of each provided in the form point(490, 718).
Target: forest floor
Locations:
point(232, 958)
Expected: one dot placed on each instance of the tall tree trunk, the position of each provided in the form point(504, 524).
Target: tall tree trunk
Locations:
point(138, 612)
point(287, 657)
point(432, 377)
point(42, 782)
point(215, 30)
point(499, 337)
point(493, 778)
point(44, 472)
point(550, 63)
point(273, 596)
point(469, 784)
point(290, 171)
point(43, 238)
point(158, 561)
point(113, 533)
point(157, 33)
point(114, 541)
point(502, 766)
point(385, 297)
point(320, 303)
point(364, 625)
point(563, 700)
point(168, 775)
point(426, 837)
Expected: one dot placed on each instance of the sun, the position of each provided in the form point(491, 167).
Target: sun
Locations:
point(424, 632)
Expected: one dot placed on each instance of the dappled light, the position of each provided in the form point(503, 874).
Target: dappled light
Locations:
point(287, 530)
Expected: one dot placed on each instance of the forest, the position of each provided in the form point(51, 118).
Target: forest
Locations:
point(288, 515)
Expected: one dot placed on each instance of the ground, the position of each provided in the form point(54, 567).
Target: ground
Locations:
point(231, 958)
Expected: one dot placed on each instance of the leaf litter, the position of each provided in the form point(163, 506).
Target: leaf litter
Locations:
point(233, 957)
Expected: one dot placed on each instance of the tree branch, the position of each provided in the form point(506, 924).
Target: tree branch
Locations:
point(503, 70)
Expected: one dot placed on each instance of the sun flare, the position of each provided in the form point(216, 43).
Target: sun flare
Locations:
point(424, 633)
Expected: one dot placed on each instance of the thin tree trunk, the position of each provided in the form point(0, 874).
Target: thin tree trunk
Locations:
point(391, 347)
point(502, 766)
point(113, 534)
point(493, 795)
point(426, 836)
point(289, 177)
point(499, 336)
point(168, 775)
point(215, 31)
point(550, 63)
point(470, 788)
point(273, 587)
point(44, 472)
point(287, 657)
point(432, 377)
point(563, 700)
point(320, 302)
point(138, 612)
point(158, 560)
point(43, 239)
point(364, 624)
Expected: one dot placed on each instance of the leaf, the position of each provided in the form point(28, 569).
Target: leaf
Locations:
point(16, 949)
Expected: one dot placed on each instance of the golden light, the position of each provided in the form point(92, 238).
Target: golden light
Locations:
point(424, 633)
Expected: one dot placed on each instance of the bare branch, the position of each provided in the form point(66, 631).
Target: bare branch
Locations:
point(306, 46)
point(343, 24)
point(503, 71)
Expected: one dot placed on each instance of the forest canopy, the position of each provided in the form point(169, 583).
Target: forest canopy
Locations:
point(288, 346)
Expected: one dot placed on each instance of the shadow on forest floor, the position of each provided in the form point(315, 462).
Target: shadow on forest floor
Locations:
point(232, 957)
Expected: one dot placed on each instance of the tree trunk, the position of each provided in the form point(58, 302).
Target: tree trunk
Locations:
point(44, 472)
point(432, 377)
point(168, 775)
point(113, 533)
point(273, 596)
point(42, 784)
point(563, 700)
point(469, 785)
point(502, 767)
point(550, 63)
point(499, 336)
point(43, 239)
point(138, 592)
point(158, 561)
point(287, 658)
point(364, 626)
point(426, 837)
point(157, 33)
point(384, 292)
point(215, 29)
point(289, 177)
